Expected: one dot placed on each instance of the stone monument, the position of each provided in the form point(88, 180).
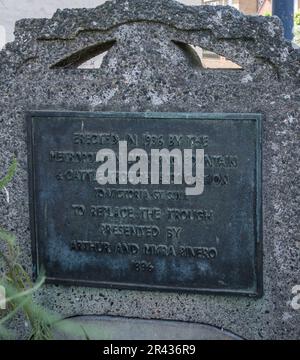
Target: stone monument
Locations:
point(237, 261)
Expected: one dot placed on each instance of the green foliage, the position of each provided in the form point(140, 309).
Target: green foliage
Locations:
point(17, 283)
point(267, 13)
point(10, 174)
point(20, 290)
point(297, 18)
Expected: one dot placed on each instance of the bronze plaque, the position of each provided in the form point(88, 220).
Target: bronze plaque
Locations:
point(152, 237)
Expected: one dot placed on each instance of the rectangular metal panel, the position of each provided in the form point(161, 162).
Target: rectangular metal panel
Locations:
point(151, 237)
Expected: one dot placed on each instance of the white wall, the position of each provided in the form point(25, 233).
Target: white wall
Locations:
point(13, 10)
point(2, 36)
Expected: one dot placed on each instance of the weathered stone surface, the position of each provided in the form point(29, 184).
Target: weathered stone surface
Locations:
point(116, 328)
point(145, 70)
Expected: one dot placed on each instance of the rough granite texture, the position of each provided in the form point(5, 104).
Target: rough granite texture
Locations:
point(147, 68)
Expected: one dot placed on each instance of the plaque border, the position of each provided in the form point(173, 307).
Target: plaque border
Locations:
point(257, 292)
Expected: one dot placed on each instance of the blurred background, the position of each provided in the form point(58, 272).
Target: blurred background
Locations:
point(288, 10)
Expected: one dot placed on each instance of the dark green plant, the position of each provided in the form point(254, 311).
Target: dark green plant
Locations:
point(10, 174)
point(17, 283)
point(20, 291)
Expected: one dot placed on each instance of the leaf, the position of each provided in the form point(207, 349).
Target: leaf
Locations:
point(13, 312)
point(11, 172)
point(7, 237)
point(15, 294)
